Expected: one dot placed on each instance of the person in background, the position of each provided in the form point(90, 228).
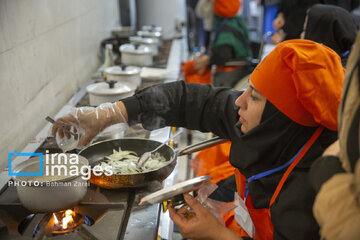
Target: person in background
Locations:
point(290, 19)
point(356, 14)
point(204, 10)
point(278, 126)
point(348, 5)
point(351, 6)
point(230, 43)
point(336, 175)
point(278, 24)
point(332, 26)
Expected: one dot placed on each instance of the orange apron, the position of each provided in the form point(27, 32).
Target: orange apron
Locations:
point(229, 218)
point(213, 161)
point(227, 68)
point(261, 218)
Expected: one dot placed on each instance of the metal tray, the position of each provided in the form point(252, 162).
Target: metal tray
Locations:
point(172, 191)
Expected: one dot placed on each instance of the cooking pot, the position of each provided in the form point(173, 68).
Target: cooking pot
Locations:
point(96, 152)
point(123, 32)
point(127, 75)
point(109, 91)
point(151, 34)
point(51, 192)
point(149, 42)
point(136, 55)
point(152, 28)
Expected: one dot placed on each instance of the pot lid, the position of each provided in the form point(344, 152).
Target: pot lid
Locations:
point(149, 34)
point(135, 49)
point(172, 191)
point(108, 88)
point(122, 70)
point(141, 40)
point(151, 28)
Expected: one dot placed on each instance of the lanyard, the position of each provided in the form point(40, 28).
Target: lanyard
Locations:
point(268, 172)
point(345, 54)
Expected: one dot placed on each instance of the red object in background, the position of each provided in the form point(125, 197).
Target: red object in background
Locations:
point(214, 162)
point(191, 76)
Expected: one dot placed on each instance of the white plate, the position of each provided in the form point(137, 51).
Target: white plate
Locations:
point(172, 191)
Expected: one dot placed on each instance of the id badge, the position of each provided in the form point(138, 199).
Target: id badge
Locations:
point(242, 216)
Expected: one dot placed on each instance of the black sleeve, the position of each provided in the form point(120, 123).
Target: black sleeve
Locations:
point(180, 104)
point(323, 169)
point(291, 213)
point(225, 191)
point(222, 55)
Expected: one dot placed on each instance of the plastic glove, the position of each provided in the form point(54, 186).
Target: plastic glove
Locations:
point(201, 225)
point(217, 208)
point(90, 120)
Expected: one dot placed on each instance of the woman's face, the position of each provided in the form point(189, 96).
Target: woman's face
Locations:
point(252, 105)
point(279, 21)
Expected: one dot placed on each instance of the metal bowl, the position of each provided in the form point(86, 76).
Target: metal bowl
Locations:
point(47, 192)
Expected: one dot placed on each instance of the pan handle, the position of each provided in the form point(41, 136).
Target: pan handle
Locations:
point(200, 146)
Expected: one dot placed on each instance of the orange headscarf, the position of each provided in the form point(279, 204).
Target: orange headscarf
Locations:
point(226, 8)
point(302, 79)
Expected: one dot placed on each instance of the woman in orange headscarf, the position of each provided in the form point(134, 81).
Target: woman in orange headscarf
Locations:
point(278, 126)
point(286, 118)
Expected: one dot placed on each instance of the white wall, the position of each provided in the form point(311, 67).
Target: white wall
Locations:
point(48, 49)
point(163, 13)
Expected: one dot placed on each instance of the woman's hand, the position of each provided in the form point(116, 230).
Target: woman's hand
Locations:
point(333, 149)
point(201, 225)
point(201, 64)
point(278, 37)
point(91, 120)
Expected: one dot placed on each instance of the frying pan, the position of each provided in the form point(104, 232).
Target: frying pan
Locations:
point(96, 152)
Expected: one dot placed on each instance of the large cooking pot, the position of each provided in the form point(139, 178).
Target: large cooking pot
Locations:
point(127, 75)
point(136, 55)
point(151, 34)
point(96, 152)
point(54, 192)
point(149, 42)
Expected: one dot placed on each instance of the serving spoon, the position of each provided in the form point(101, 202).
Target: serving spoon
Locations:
point(49, 119)
point(146, 155)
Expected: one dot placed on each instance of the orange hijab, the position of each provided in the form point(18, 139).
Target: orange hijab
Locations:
point(226, 8)
point(304, 81)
